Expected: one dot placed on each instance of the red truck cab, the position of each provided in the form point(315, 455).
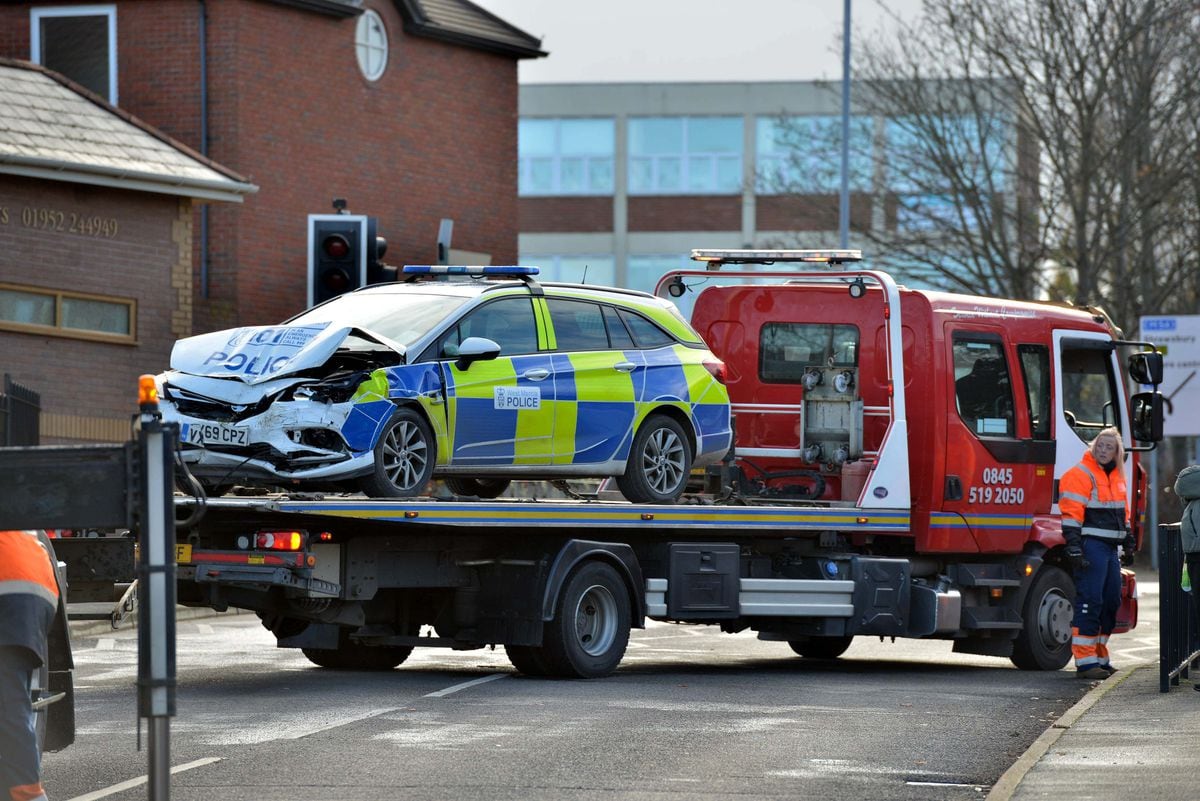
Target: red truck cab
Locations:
point(850, 389)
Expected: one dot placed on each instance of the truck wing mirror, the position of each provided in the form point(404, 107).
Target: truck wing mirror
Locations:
point(476, 349)
point(1147, 416)
point(1146, 367)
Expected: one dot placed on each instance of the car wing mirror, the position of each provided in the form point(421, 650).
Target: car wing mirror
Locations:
point(476, 349)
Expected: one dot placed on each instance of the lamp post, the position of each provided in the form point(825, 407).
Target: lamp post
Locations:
point(844, 205)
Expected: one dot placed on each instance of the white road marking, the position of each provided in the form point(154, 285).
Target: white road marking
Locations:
point(106, 644)
point(140, 780)
point(465, 685)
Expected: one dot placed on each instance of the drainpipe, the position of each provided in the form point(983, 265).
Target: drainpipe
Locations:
point(204, 143)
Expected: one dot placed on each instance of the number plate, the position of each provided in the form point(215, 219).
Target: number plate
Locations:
point(183, 553)
point(214, 434)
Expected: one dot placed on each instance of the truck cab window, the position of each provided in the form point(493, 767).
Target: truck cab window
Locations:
point(785, 350)
point(1089, 389)
point(982, 386)
point(1035, 369)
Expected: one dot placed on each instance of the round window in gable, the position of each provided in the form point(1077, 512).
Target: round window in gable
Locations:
point(371, 45)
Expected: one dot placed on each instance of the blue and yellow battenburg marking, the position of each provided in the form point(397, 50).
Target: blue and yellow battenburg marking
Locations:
point(608, 515)
point(559, 408)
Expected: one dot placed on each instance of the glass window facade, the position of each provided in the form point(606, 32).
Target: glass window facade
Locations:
point(565, 156)
point(803, 155)
point(574, 269)
point(685, 155)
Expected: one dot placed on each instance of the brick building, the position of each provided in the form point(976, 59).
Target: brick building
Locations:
point(95, 249)
point(406, 108)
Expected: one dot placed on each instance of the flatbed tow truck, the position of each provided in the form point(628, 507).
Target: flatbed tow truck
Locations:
point(878, 487)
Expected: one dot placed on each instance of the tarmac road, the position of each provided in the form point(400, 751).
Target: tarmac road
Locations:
point(691, 713)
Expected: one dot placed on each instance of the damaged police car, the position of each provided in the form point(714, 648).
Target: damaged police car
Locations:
point(476, 381)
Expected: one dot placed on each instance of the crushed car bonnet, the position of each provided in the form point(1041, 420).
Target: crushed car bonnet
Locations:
point(261, 353)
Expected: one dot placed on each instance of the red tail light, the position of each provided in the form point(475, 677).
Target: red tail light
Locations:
point(279, 540)
point(716, 367)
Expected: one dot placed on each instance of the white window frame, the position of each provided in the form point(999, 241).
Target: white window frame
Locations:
point(525, 165)
point(36, 15)
point(711, 160)
point(364, 48)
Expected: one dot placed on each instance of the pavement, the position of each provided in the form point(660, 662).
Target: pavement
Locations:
point(1124, 740)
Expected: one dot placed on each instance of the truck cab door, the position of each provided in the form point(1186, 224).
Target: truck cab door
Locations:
point(993, 464)
point(1089, 396)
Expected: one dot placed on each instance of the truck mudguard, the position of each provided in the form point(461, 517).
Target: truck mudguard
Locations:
point(619, 555)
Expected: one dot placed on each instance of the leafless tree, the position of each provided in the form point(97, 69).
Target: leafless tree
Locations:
point(1013, 134)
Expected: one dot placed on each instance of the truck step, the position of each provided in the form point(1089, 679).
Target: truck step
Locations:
point(991, 618)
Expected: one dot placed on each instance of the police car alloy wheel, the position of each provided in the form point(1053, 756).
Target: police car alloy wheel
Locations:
point(659, 462)
point(404, 457)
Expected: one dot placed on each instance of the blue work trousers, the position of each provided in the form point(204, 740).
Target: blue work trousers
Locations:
point(20, 757)
point(1097, 589)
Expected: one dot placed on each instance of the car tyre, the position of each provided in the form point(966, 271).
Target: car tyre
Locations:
point(1045, 641)
point(659, 462)
point(405, 454)
point(477, 487)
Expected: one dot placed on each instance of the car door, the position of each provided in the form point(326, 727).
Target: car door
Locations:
point(499, 411)
point(595, 369)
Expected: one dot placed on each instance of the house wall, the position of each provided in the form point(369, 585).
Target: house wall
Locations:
point(142, 252)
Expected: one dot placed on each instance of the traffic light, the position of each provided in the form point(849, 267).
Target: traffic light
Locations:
point(337, 255)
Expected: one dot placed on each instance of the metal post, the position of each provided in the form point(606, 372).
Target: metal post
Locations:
point(1152, 522)
point(156, 578)
point(844, 205)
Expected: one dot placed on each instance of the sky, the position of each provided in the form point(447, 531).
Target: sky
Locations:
point(690, 40)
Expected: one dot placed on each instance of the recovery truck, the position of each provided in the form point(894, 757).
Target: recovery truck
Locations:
point(894, 474)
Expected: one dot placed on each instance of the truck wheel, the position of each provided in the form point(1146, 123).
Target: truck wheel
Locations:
point(659, 462)
point(590, 630)
point(479, 487)
point(821, 647)
point(404, 457)
point(350, 655)
point(1045, 641)
point(528, 659)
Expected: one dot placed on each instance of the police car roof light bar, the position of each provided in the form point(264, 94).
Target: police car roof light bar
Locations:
point(458, 269)
point(414, 272)
point(715, 258)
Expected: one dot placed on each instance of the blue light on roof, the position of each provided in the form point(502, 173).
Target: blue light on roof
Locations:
point(457, 269)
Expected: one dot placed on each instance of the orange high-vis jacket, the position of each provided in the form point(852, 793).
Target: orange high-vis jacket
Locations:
point(28, 592)
point(1093, 502)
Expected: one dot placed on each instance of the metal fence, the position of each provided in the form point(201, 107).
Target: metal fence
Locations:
point(1178, 640)
point(20, 414)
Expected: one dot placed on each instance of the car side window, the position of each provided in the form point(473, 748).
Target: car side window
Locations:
point(578, 325)
point(645, 333)
point(618, 334)
point(508, 322)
